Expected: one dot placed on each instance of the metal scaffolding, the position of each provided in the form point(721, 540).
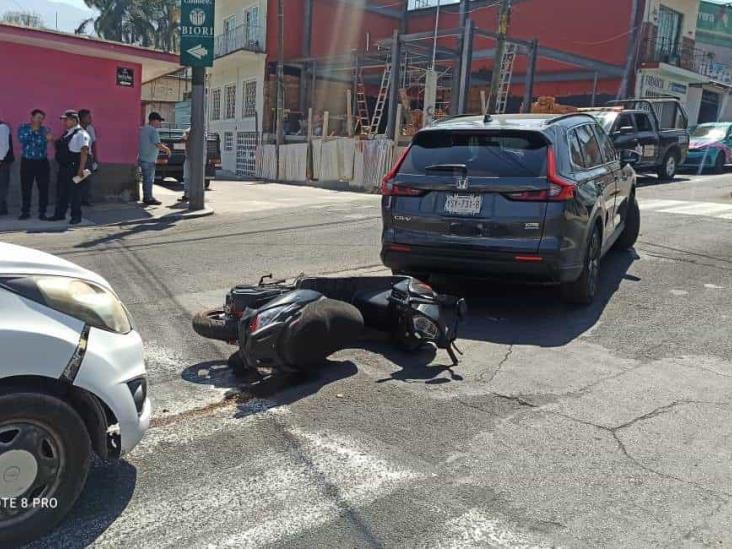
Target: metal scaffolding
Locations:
point(409, 56)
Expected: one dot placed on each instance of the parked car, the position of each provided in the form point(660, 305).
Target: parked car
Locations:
point(533, 197)
point(711, 145)
point(72, 382)
point(656, 128)
point(171, 166)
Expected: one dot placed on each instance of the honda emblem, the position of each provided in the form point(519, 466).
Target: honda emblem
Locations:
point(462, 183)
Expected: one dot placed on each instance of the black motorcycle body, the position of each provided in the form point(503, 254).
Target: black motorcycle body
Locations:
point(298, 325)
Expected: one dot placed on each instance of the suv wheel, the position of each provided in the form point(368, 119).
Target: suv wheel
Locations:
point(583, 290)
point(44, 456)
point(667, 170)
point(628, 237)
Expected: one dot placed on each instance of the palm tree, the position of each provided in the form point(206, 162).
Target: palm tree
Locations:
point(150, 23)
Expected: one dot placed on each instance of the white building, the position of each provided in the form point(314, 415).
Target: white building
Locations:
point(236, 81)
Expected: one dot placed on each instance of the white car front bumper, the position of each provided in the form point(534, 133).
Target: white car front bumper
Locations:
point(113, 366)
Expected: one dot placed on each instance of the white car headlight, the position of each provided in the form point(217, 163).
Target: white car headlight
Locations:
point(92, 304)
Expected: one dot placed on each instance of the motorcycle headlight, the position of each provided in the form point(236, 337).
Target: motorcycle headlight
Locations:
point(92, 304)
point(426, 327)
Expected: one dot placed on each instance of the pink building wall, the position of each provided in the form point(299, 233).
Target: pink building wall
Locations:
point(53, 81)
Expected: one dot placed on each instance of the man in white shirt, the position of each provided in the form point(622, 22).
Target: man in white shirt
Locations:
point(85, 119)
point(6, 158)
point(72, 154)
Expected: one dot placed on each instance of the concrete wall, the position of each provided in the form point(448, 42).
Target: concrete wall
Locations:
point(33, 77)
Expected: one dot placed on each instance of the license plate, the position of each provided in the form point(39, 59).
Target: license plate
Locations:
point(179, 146)
point(463, 204)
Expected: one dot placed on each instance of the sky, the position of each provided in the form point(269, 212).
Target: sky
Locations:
point(67, 13)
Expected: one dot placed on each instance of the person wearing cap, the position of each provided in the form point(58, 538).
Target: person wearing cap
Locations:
point(34, 166)
point(6, 159)
point(72, 153)
point(149, 148)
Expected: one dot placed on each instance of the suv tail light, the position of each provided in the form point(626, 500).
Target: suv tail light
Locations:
point(388, 188)
point(559, 190)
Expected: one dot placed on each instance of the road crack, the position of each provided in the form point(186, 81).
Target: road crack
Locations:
point(503, 361)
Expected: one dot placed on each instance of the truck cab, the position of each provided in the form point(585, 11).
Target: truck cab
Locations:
point(656, 128)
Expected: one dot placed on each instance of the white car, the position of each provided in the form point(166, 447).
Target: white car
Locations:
point(72, 381)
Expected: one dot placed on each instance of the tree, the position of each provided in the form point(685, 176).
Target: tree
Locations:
point(149, 23)
point(23, 18)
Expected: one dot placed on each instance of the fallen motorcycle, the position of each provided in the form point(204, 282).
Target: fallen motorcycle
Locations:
point(296, 326)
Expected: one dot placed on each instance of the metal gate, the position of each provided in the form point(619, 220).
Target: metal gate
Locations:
point(246, 147)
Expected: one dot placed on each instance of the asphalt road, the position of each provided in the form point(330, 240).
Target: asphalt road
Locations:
point(609, 426)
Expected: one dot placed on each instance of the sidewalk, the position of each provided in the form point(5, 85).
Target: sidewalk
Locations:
point(103, 213)
point(225, 197)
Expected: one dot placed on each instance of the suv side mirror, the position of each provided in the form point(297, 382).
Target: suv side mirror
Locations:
point(625, 130)
point(629, 157)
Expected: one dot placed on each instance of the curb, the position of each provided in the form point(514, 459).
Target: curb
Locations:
point(204, 212)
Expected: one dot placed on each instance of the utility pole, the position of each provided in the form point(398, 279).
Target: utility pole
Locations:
point(504, 19)
point(198, 139)
point(280, 82)
point(197, 51)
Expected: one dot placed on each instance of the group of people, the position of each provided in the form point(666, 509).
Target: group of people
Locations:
point(75, 154)
point(149, 147)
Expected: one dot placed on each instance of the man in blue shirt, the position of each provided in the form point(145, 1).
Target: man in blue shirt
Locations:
point(34, 166)
point(149, 146)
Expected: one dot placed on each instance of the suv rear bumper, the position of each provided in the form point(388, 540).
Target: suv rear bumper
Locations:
point(541, 267)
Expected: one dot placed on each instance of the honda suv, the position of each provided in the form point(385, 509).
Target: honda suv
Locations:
point(532, 197)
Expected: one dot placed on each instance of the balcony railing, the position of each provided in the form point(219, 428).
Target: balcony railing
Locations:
point(663, 50)
point(244, 37)
point(687, 57)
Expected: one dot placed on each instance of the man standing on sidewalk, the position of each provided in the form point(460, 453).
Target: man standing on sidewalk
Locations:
point(6, 159)
point(149, 147)
point(85, 118)
point(72, 152)
point(34, 166)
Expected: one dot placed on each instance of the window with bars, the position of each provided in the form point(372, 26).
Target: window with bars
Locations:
point(230, 101)
point(250, 99)
point(228, 141)
point(216, 105)
point(246, 148)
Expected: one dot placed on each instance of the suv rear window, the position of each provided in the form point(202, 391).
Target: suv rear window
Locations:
point(484, 154)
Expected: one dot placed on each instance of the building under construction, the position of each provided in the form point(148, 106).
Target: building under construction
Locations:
point(369, 68)
point(440, 59)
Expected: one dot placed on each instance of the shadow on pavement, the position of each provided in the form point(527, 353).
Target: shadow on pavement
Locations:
point(535, 315)
point(279, 388)
point(132, 228)
point(108, 491)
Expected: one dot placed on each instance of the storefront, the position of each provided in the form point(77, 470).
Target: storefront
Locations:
point(53, 71)
point(670, 81)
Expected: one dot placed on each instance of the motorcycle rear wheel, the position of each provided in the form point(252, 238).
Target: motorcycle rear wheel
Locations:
point(216, 324)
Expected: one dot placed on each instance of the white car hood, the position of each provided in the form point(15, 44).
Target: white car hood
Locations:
point(19, 260)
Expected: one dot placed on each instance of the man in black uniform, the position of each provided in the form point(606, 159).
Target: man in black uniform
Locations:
point(72, 152)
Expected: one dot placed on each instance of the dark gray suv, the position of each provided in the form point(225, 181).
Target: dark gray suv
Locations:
point(531, 197)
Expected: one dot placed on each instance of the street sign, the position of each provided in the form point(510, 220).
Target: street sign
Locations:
point(197, 33)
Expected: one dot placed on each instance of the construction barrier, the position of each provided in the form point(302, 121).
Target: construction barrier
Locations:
point(362, 164)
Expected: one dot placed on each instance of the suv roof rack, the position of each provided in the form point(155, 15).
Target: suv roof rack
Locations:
point(453, 117)
point(566, 116)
